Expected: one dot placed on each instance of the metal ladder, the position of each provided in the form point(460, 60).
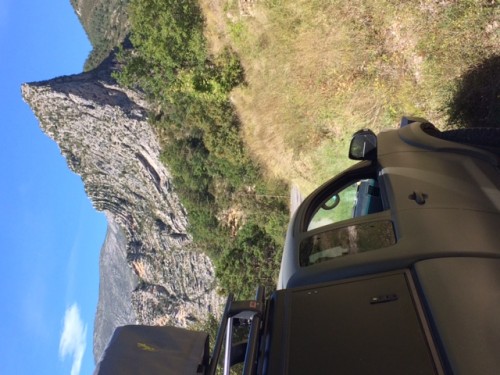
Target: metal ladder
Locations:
point(251, 311)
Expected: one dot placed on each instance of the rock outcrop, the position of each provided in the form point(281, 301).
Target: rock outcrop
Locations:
point(102, 131)
point(117, 284)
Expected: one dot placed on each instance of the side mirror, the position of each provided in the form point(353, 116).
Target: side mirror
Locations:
point(363, 145)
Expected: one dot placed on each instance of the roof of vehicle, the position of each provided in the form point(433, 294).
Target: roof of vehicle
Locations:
point(460, 214)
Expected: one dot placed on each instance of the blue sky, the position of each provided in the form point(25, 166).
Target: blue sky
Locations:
point(50, 235)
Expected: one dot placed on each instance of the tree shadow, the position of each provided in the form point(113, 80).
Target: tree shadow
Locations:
point(476, 103)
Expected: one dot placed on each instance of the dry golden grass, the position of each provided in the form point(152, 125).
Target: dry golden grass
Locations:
point(318, 70)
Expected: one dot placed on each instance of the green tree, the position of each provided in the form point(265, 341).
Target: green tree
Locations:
point(201, 139)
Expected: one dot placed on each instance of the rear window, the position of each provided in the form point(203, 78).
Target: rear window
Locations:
point(346, 240)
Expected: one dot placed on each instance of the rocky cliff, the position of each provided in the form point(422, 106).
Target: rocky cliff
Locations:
point(102, 131)
point(117, 284)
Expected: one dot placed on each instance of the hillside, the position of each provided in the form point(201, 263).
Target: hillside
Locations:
point(150, 271)
point(316, 71)
point(247, 94)
point(245, 98)
point(117, 282)
point(106, 25)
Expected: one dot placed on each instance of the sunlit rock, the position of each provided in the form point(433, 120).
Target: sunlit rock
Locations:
point(102, 131)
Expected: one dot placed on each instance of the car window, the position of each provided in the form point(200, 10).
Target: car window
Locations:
point(346, 240)
point(360, 198)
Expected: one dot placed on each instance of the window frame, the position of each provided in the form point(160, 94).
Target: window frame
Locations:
point(360, 171)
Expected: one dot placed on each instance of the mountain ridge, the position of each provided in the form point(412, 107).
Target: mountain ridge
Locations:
point(102, 131)
point(106, 24)
point(115, 305)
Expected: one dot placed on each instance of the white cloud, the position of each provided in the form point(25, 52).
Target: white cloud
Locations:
point(73, 338)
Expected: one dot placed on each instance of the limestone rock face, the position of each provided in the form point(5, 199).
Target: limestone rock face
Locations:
point(102, 131)
point(118, 282)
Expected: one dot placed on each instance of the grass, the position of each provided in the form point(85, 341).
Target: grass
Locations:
point(317, 70)
point(305, 76)
point(236, 215)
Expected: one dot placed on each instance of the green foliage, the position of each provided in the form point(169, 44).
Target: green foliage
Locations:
point(105, 22)
point(202, 146)
point(230, 72)
point(167, 36)
point(250, 261)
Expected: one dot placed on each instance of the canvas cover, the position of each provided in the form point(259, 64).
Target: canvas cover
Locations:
point(151, 350)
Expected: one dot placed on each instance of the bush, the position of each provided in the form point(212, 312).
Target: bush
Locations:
point(201, 140)
point(249, 262)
